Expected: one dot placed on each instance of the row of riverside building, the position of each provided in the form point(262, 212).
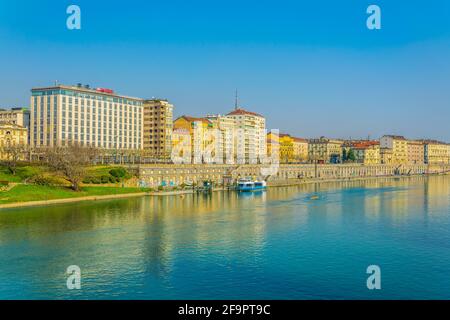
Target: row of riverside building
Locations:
point(100, 118)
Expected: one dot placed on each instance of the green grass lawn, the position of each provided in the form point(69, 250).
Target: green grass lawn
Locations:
point(24, 193)
point(23, 172)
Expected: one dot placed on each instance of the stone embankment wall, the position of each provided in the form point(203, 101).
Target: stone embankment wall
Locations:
point(157, 174)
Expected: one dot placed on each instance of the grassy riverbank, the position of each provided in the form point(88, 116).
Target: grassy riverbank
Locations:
point(36, 183)
point(25, 193)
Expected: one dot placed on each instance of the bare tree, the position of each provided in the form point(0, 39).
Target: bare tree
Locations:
point(14, 153)
point(71, 162)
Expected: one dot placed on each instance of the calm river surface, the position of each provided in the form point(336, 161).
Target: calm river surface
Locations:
point(279, 244)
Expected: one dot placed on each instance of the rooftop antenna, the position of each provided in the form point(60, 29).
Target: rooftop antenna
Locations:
point(236, 100)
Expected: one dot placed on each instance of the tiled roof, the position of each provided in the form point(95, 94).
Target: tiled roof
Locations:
point(240, 111)
point(365, 144)
point(194, 119)
point(429, 141)
point(395, 137)
point(299, 139)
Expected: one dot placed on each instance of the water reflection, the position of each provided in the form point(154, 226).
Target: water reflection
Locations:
point(145, 245)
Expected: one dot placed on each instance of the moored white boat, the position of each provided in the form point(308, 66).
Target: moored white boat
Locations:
point(249, 185)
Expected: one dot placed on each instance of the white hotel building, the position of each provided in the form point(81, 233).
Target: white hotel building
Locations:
point(92, 117)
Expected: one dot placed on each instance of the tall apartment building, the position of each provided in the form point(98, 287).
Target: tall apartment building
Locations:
point(324, 150)
point(416, 152)
point(17, 116)
point(250, 139)
point(436, 152)
point(158, 126)
point(227, 131)
point(100, 118)
point(399, 147)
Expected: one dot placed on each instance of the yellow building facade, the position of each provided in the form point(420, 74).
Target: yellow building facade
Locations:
point(367, 152)
point(324, 150)
point(386, 156)
point(19, 116)
point(203, 137)
point(300, 149)
point(286, 148)
point(181, 151)
point(273, 145)
point(399, 147)
point(11, 135)
point(416, 152)
point(436, 152)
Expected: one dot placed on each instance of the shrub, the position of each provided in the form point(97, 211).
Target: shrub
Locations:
point(41, 180)
point(96, 180)
point(113, 179)
point(87, 180)
point(118, 172)
point(160, 188)
point(104, 179)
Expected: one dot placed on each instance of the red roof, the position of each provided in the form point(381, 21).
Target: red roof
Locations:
point(299, 139)
point(365, 144)
point(240, 111)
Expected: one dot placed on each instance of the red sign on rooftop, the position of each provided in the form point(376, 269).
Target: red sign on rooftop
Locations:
point(104, 90)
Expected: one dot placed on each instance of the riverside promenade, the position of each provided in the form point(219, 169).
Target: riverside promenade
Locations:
point(221, 175)
point(154, 175)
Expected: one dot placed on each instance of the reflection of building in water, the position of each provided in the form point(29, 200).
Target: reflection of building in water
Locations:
point(142, 242)
point(224, 216)
point(437, 193)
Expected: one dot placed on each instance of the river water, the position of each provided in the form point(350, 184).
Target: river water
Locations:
point(307, 242)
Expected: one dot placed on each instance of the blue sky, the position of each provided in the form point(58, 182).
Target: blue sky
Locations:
point(311, 67)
